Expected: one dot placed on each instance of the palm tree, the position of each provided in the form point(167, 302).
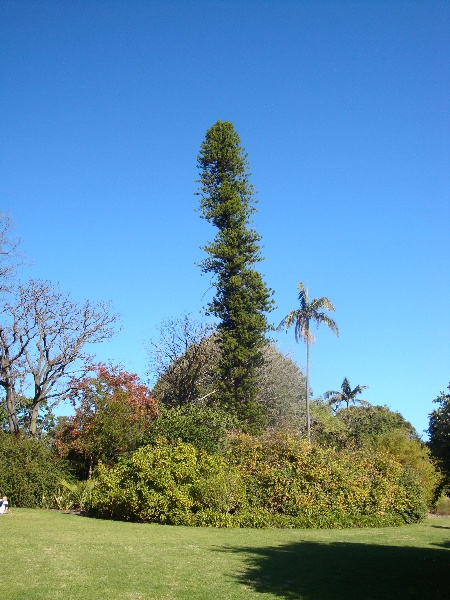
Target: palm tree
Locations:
point(347, 395)
point(301, 318)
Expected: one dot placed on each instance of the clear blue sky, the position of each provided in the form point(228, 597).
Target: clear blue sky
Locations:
point(343, 108)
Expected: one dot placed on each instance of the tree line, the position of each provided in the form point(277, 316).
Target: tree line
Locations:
point(211, 378)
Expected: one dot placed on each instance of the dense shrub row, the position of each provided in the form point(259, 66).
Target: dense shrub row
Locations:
point(277, 480)
point(193, 472)
point(29, 471)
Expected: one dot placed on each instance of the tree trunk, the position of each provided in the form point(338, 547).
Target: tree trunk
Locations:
point(308, 419)
point(34, 411)
point(7, 383)
point(11, 408)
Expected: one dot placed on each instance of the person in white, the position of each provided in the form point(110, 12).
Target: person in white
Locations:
point(5, 505)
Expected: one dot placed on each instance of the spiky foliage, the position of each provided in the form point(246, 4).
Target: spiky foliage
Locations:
point(347, 395)
point(242, 298)
point(308, 311)
point(301, 318)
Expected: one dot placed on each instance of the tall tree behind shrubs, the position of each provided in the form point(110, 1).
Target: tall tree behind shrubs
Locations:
point(242, 299)
point(439, 432)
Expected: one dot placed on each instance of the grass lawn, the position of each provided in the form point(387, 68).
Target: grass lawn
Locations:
point(53, 555)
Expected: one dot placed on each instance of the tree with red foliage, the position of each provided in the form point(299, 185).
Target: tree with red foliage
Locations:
point(113, 411)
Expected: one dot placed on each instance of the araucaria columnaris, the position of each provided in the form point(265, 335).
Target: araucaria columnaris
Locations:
point(242, 299)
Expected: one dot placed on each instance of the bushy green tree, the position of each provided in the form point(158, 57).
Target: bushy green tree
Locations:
point(413, 454)
point(381, 429)
point(326, 429)
point(113, 411)
point(439, 432)
point(242, 299)
point(363, 423)
point(203, 426)
point(29, 470)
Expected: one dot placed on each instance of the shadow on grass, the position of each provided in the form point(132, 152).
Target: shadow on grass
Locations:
point(314, 571)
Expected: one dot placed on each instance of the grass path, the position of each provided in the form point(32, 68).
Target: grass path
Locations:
point(49, 555)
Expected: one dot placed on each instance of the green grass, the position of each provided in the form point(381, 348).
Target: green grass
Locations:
point(53, 555)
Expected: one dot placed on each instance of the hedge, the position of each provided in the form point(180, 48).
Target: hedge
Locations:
point(276, 480)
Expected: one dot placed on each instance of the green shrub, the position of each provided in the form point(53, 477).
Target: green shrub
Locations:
point(276, 480)
point(260, 518)
point(167, 483)
point(413, 454)
point(76, 495)
point(365, 422)
point(218, 487)
point(29, 471)
point(323, 487)
point(204, 427)
point(443, 507)
point(209, 517)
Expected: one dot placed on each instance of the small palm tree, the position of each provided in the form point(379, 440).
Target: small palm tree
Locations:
point(346, 395)
point(301, 318)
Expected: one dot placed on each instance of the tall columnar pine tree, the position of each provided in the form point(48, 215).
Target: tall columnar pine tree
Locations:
point(242, 299)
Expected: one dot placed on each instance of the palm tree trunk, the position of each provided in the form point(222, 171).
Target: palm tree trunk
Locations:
point(308, 419)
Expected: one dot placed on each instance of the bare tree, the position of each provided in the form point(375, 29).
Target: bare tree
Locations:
point(11, 364)
point(183, 361)
point(11, 355)
point(43, 346)
point(10, 257)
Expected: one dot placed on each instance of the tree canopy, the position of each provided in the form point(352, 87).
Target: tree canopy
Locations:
point(439, 432)
point(113, 410)
point(43, 340)
point(184, 358)
point(347, 395)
